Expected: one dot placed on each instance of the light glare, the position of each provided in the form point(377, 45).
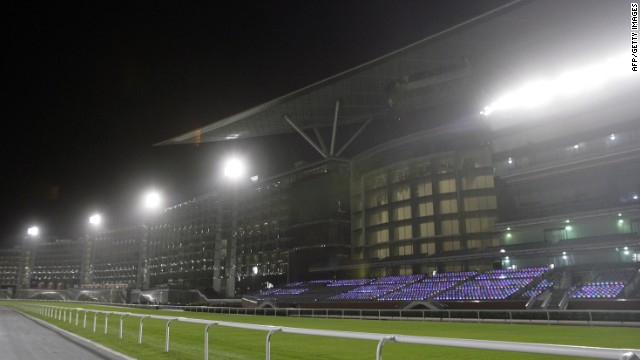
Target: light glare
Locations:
point(569, 84)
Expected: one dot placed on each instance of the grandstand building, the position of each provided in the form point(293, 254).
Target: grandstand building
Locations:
point(415, 189)
point(9, 265)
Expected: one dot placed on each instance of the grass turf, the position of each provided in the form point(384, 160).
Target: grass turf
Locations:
point(187, 340)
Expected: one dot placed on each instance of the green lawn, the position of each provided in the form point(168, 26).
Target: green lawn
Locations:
point(187, 340)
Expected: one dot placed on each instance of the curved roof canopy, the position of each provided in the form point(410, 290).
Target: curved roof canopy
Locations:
point(482, 54)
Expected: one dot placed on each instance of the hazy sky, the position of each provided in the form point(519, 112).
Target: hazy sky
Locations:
point(88, 88)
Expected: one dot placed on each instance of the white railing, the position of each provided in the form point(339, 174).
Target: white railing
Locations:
point(511, 316)
point(60, 313)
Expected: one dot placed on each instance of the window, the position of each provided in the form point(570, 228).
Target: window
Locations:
point(450, 227)
point(479, 224)
point(404, 250)
point(423, 169)
point(402, 212)
point(402, 232)
point(401, 193)
point(480, 203)
point(427, 229)
point(406, 270)
point(425, 208)
point(379, 253)
point(377, 198)
point(375, 181)
point(451, 245)
point(448, 206)
point(447, 186)
point(424, 188)
point(477, 182)
point(377, 217)
point(428, 248)
point(446, 165)
point(401, 174)
point(378, 236)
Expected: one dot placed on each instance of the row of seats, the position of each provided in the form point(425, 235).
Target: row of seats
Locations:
point(461, 286)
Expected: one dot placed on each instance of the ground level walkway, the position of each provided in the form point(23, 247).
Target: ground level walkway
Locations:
point(23, 338)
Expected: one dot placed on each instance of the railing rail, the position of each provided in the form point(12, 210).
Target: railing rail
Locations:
point(381, 339)
point(548, 316)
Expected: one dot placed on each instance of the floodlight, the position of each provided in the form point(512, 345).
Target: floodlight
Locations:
point(95, 219)
point(568, 84)
point(33, 231)
point(152, 200)
point(234, 168)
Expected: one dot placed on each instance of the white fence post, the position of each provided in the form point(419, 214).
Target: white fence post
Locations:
point(269, 341)
point(166, 340)
point(381, 343)
point(106, 322)
point(206, 339)
point(121, 320)
point(140, 333)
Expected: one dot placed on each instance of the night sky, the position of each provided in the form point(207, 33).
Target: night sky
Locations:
point(89, 87)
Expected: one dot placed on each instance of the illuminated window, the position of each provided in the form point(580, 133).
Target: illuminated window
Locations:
point(477, 182)
point(377, 217)
point(401, 193)
point(479, 224)
point(405, 250)
point(425, 208)
point(427, 229)
point(450, 227)
point(402, 212)
point(428, 248)
point(378, 236)
point(447, 186)
point(377, 198)
point(451, 245)
point(480, 203)
point(448, 206)
point(424, 188)
point(402, 232)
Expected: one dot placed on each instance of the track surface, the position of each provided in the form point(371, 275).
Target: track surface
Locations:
point(24, 339)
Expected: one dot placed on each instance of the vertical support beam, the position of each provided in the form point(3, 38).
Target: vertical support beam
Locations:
point(269, 341)
point(320, 140)
point(360, 130)
point(305, 136)
point(335, 127)
point(206, 340)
